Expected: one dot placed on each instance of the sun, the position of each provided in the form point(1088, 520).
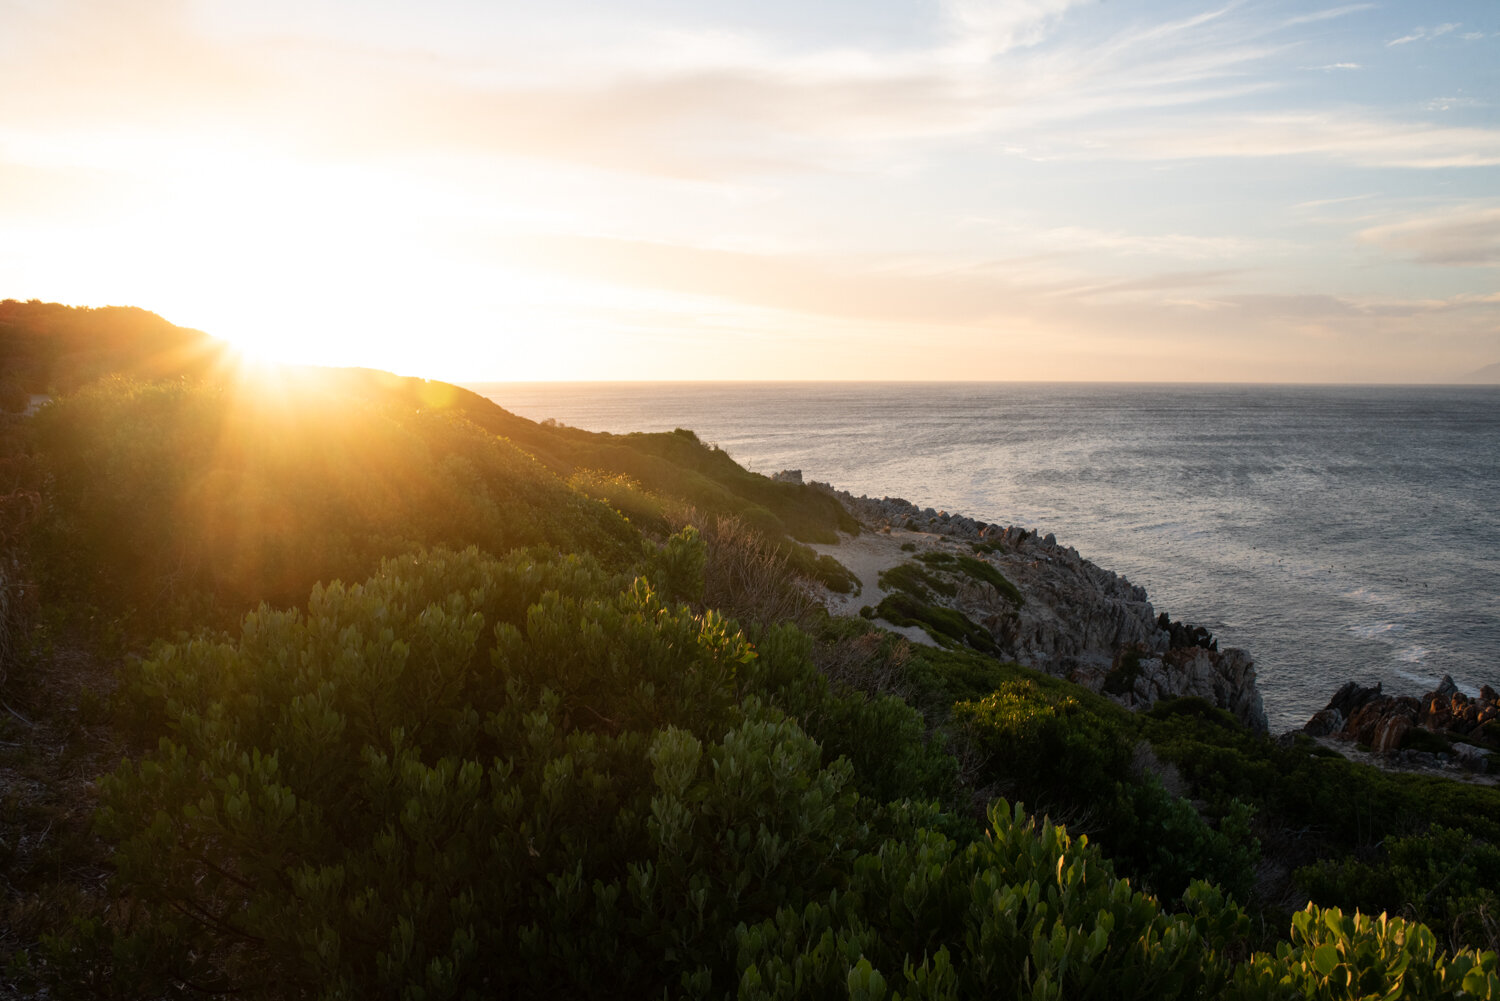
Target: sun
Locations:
point(310, 264)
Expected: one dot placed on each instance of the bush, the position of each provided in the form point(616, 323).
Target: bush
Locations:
point(1045, 742)
point(1446, 878)
point(192, 502)
point(373, 799)
point(945, 625)
point(987, 574)
point(1335, 956)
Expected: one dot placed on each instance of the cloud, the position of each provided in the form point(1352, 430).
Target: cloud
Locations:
point(980, 30)
point(1077, 239)
point(1326, 15)
point(1468, 236)
point(1424, 34)
point(1320, 202)
point(1350, 137)
point(703, 104)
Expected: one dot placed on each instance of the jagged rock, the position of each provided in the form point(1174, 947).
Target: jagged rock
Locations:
point(1386, 722)
point(1381, 722)
point(1324, 723)
point(1225, 679)
point(788, 476)
point(1077, 617)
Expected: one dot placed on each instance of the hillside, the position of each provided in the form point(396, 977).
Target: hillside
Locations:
point(397, 694)
point(1488, 375)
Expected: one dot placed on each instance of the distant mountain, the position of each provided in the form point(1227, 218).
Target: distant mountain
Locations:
point(1488, 375)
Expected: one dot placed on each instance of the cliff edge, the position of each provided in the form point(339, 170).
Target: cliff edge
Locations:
point(1039, 603)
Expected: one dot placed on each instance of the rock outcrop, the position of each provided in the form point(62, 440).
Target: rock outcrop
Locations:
point(1078, 620)
point(1445, 725)
point(1225, 679)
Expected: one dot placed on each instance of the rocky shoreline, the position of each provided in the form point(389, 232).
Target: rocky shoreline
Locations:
point(1444, 730)
point(1077, 621)
point(1094, 627)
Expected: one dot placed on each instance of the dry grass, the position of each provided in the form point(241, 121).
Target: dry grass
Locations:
point(749, 577)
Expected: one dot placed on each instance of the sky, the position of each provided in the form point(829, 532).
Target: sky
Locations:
point(476, 190)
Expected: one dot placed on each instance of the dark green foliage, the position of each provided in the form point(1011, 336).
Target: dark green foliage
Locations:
point(374, 799)
point(984, 573)
point(883, 737)
point(1447, 878)
point(916, 581)
point(1421, 739)
point(1332, 956)
point(1350, 805)
point(1121, 677)
point(1167, 843)
point(945, 625)
point(1194, 707)
point(1047, 742)
point(932, 573)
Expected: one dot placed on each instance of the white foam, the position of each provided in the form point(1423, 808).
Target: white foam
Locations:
point(1376, 630)
point(1412, 654)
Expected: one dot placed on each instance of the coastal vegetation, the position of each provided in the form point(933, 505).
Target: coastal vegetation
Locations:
point(342, 685)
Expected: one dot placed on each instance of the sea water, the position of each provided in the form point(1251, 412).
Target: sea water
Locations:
point(1336, 533)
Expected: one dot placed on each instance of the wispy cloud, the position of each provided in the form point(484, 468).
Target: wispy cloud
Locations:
point(982, 29)
point(1326, 15)
point(1425, 34)
point(1465, 236)
point(1349, 138)
point(1320, 202)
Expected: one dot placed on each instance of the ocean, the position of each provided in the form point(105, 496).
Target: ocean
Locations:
point(1335, 532)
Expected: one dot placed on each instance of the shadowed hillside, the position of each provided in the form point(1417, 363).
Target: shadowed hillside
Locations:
point(396, 694)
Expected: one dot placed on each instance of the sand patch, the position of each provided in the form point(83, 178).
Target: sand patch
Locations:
point(866, 555)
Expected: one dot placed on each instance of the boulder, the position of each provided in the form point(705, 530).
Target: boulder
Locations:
point(1382, 722)
point(1324, 723)
point(1473, 759)
point(1386, 722)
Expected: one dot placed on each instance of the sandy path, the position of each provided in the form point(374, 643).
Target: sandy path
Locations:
point(866, 555)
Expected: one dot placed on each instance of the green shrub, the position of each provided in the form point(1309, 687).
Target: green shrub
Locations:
point(1335, 956)
point(914, 580)
point(987, 574)
point(1421, 739)
point(945, 625)
point(1045, 742)
point(1122, 676)
point(644, 510)
point(1446, 878)
point(1165, 841)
